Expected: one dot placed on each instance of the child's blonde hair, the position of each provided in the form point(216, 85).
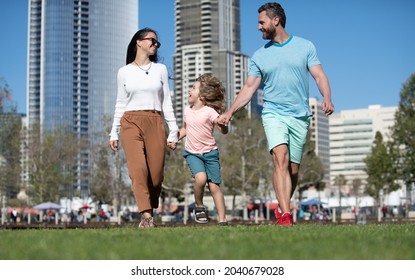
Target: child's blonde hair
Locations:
point(212, 92)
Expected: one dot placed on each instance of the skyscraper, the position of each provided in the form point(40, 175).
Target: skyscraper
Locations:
point(75, 48)
point(207, 41)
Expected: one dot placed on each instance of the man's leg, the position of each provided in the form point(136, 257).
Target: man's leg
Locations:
point(294, 168)
point(282, 177)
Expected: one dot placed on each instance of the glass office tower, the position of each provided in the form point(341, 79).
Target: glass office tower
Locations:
point(75, 48)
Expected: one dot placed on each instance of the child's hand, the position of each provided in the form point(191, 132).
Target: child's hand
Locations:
point(223, 127)
point(224, 118)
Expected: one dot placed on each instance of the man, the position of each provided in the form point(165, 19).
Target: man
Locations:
point(283, 65)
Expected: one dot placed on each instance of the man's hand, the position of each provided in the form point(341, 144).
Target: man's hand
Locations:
point(224, 119)
point(328, 107)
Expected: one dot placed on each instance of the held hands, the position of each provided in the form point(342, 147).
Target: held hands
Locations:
point(224, 119)
point(114, 145)
point(172, 145)
point(222, 127)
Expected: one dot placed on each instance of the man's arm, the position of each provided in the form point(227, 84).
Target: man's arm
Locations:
point(244, 96)
point(324, 87)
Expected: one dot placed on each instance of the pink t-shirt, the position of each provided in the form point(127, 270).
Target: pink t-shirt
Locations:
point(199, 129)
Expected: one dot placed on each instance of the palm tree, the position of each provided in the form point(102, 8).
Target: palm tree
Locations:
point(356, 183)
point(340, 181)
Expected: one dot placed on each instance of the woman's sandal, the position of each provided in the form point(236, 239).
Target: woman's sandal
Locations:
point(200, 215)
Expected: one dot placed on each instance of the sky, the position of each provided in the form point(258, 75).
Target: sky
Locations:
point(367, 48)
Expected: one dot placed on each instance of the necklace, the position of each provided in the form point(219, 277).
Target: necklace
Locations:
point(145, 70)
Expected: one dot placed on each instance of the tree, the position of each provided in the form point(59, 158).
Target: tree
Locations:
point(380, 169)
point(109, 171)
point(403, 136)
point(356, 184)
point(10, 142)
point(340, 181)
point(102, 179)
point(311, 170)
point(52, 157)
point(177, 177)
point(245, 158)
point(6, 98)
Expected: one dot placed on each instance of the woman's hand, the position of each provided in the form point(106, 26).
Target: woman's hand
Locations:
point(114, 145)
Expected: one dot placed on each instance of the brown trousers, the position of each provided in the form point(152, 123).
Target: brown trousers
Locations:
point(144, 141)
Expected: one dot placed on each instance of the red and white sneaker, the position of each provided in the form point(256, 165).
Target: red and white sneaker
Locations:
point(286, 219)
point(277, 214)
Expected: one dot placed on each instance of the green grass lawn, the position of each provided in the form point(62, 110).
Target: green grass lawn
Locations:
point(236, 242)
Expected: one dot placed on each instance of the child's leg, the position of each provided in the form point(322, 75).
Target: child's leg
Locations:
point(199, 188)
point(197, 167)
point(219, 200)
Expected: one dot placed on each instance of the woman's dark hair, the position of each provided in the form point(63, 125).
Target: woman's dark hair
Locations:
point(132, 46)
point(274, 10)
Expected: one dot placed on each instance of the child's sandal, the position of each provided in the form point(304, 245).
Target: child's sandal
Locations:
point(200, 215)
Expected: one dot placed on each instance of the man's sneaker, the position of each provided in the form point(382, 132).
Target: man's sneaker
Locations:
point(147, 223)
point(286, 219)
point(277, 215)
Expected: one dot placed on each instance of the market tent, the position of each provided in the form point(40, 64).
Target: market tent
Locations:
point(312, 201)
point(47, 205)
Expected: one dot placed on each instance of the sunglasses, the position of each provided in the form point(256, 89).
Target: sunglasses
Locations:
point(153, 42)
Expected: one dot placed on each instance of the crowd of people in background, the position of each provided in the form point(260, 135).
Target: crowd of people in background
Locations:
point(17, 215)
point(392, 213)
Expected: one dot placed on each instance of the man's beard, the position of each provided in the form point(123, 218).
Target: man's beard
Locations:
point(268, 34)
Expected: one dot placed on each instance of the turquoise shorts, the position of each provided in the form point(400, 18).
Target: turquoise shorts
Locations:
point(208, 163)
point(287, 130)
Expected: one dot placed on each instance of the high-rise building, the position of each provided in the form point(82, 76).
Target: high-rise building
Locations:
point(75, 48)
point(207, 41)
point(319, 129)
point(351, 139)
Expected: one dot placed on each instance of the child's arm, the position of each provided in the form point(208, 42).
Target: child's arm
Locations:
point(182, 132)
point(222, 128)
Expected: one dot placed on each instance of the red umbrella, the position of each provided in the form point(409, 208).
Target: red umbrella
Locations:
point(85, 206)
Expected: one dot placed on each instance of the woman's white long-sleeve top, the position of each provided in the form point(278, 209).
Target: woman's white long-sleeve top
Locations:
point(140, 91)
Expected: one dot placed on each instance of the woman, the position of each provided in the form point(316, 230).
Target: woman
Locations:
point(143, 100)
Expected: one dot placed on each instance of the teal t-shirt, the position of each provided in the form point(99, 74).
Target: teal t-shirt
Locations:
point(284, 72)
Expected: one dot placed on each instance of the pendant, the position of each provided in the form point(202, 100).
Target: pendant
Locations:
point(146, 72)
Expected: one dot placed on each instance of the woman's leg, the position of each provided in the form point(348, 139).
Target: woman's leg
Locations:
point(133, 145)
point(155, 148)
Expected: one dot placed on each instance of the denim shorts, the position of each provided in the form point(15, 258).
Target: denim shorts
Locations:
point(286, 130)
point(207, 163)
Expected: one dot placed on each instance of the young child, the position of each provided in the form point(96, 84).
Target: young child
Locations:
point(206, 102)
